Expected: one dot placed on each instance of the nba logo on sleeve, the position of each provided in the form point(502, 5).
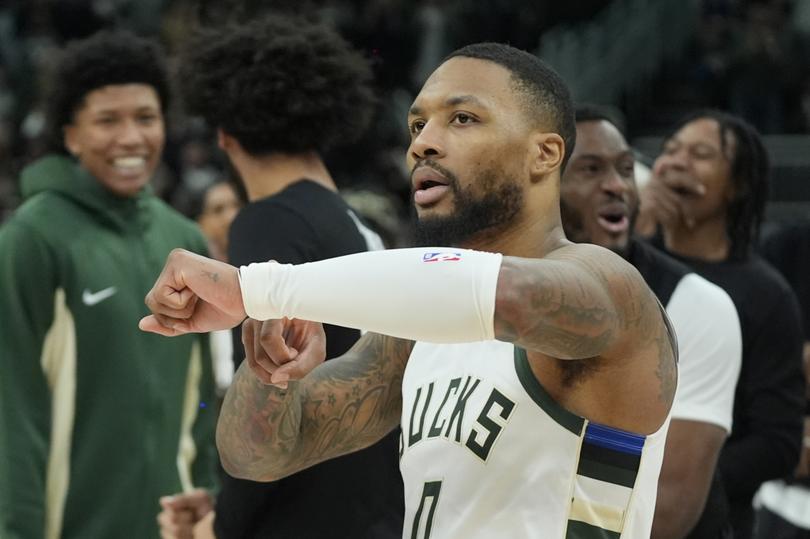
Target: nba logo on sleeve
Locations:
point(441, 257)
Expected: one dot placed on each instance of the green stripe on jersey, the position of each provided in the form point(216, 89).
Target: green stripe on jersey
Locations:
point(581, 530)
point(566, 419)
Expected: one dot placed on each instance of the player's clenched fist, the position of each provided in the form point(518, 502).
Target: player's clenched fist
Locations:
point(278, 351)
point(193, 294)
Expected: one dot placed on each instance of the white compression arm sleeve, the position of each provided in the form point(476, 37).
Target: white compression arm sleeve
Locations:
point(440, 295)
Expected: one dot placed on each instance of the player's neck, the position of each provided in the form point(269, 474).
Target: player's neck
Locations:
point(707, 241)
point(268, 175)
point(529, 238)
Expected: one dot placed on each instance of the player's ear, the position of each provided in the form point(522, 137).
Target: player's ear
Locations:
point(547, 152)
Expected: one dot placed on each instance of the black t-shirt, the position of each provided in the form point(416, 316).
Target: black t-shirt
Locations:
point(788, 248)
point(355, 496)
point(768, 403)
point(662, 274)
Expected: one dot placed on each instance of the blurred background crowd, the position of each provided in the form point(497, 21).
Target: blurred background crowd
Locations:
point(651, 60)
point(649, 63)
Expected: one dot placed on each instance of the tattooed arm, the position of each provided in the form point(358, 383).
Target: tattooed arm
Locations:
point(345, 404)
point(578, 302)
point(583, 302)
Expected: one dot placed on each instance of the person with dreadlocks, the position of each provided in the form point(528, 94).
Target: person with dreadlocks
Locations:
point(707, 197)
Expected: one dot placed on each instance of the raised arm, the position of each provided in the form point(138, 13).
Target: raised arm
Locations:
point(580, 302)
point(348, 403)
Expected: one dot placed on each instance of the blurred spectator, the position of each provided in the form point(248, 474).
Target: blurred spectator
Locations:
point(280, 91)
point(503, 21)
point(98, 418)
point(763, 66)
point(8, 101)
point(8, 193)
point(711, 53)
point(197, 172)
point(214, 209)
point(804, 103)
point(708, 194)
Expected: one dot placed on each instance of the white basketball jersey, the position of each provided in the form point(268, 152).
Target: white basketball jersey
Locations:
point(486, 453)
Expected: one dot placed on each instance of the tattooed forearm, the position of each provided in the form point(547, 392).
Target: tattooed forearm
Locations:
point(348, 403)
point(211, 275)
point(357, 401)
point(257, 421)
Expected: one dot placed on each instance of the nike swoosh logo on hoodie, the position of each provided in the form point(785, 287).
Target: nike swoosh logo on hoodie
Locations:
point(94, 298)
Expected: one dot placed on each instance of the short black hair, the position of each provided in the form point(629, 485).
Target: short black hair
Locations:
point(278, 84)
point(546, 94)
point(107, 57)
point(750, 175)
point(591, 112)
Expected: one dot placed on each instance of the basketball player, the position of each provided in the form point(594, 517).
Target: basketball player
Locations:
point(532, 377)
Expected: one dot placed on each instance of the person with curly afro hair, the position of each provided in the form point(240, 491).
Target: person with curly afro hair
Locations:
point(281, 91)
point(278, 85)
point(97, 420)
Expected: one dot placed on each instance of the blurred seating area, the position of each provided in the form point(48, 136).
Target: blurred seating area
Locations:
point(652, 60)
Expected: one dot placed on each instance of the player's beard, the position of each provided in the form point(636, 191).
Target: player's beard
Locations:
point(475, 218)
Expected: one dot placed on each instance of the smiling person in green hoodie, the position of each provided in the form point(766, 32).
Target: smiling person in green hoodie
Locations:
point(97, 419)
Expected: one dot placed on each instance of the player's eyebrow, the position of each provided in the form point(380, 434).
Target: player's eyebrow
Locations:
point(453, 101)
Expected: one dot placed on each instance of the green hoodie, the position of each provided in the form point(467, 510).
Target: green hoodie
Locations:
point(97, 419)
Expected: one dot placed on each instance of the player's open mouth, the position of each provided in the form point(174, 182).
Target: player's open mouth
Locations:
point(429, 186)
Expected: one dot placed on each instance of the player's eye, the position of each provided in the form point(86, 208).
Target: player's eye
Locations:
point(463, 118)
point(416, 126)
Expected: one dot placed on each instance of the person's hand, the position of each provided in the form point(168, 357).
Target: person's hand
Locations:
point(664, 201)
point(278, 351)
point(180, 513)
point(193, 294)
point(204, 529)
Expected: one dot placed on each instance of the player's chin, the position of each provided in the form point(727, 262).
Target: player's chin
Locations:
point(437, 210)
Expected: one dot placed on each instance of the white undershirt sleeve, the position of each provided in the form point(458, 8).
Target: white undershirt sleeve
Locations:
point(710, 350)
point(440, 295)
